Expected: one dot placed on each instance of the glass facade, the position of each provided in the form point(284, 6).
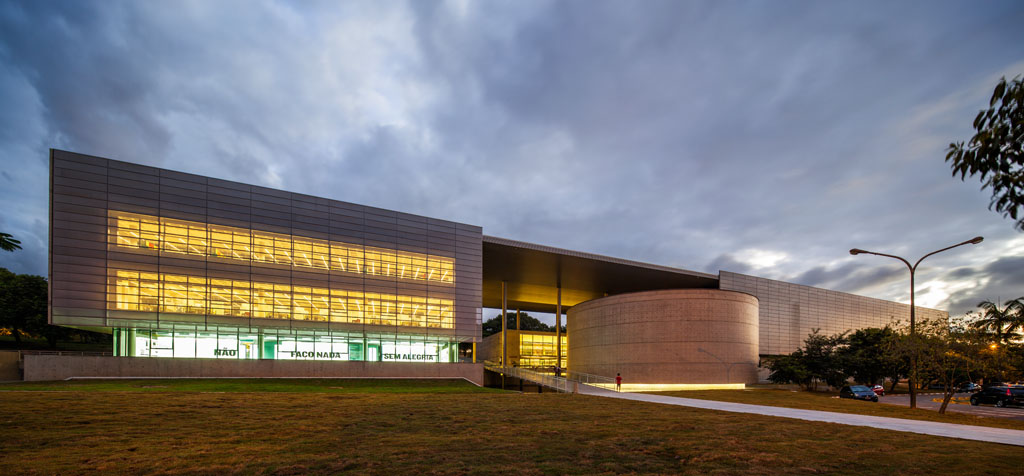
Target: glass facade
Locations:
point(241, 344)
point(539, 350)
point(164, 235)
point(157, 292)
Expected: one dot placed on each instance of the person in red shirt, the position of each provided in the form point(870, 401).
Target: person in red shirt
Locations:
point(618, 382)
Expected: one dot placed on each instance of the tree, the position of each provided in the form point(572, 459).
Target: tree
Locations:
point(1003, 322)
point(789, 369)
point(949, 353)
point(996, 151)
point(900, 366)
point(865, 359)
point(8, 243)
point(39, 327)
point(825, 360)
point(22, 302)
point(819, 360)
point(529, 323)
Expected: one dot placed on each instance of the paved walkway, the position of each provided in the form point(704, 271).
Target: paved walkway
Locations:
point(928, 401)
point(951, 430)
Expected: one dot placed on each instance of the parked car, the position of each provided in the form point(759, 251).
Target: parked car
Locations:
point(969, 387)
point(879, 390)
point(858, 392)
point(1000, 396)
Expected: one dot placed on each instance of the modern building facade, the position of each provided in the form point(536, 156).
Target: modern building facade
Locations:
point(789, 312)
point(182, 266)
point(529, 349)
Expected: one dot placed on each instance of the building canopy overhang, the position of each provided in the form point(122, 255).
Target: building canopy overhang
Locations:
point(534, 273)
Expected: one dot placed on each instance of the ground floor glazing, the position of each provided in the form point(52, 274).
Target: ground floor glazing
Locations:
point(273, 345)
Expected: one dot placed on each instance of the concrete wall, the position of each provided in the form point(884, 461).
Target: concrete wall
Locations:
point(686, 336)
point(60, 367)
point(9, 365)
point(789, 312)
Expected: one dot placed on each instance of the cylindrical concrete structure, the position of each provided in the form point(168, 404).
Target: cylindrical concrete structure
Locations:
point(681, 336)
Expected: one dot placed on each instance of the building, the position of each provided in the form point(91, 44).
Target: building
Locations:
point(224, 278)
point(529, 349)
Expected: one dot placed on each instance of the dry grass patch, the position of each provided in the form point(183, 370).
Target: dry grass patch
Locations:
point(477, 433)
point(826, 402)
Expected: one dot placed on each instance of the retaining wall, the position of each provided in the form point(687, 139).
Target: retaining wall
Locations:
point(60, 367)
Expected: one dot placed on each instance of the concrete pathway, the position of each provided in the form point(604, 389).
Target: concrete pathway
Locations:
point(927, 401)
point(950, 430)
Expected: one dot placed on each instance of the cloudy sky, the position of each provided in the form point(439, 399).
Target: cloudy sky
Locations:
point(758, 137)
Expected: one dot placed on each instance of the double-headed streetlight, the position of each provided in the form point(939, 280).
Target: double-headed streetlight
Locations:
point(912, 380)
point(728, 366)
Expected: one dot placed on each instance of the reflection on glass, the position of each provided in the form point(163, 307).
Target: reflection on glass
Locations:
point(161, 292)
point(158, 234)
point(237, 344)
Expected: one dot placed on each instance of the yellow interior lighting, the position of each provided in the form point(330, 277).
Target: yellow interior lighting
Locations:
point(159, 292)
point(672, 387)
point(539, 350)
point(158, 234)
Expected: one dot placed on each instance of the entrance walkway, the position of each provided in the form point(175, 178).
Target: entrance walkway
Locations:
point(950, 430)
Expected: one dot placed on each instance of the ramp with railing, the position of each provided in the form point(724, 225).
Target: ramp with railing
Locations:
point(569, 382)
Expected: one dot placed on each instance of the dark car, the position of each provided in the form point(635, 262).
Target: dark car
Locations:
point(858, 392)
point(969, 387)
point(1000, 396)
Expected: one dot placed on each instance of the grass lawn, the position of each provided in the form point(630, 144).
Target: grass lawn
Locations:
point(824, 401)
point(170, 431)
point(256, 385)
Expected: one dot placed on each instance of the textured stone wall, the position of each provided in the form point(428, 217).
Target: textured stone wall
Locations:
point(693, 336)
point(789, 312)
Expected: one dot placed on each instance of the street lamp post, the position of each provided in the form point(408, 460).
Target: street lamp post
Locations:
point(728, 366)
point(912, 380)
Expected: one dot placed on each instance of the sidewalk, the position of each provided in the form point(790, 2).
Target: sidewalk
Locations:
point(949, 430)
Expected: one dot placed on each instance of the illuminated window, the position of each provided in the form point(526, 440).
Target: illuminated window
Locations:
point(140, 291)
point(539, 350)
point(227, 343)
point(156, 234)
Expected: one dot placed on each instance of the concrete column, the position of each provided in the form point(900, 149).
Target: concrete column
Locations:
point(504, 325)
point(518, 326)
point(558, 327)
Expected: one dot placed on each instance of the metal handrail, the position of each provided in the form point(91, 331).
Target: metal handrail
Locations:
point(567, 384)
point(591, 379)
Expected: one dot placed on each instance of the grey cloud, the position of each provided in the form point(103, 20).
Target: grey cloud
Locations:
point(666, 132)
point(821, 275)
point(727, 262)
point(961, 273)
point(851, 277)
point(1004, 280)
